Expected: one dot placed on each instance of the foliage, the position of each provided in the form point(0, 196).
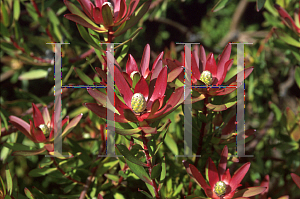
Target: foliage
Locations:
point(66, 148)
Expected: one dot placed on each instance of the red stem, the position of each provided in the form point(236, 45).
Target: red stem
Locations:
point(109, 35)
point(145, 142)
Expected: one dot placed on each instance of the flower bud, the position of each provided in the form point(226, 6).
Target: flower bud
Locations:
point(111, 7)
point(138, 103)
point(220, 188)
point(206, 77)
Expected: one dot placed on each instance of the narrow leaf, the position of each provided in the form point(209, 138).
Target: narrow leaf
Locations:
point(139, 171)
point(33, 74)
point(41, 172)
point(8, 180)
point(28, 193)
point(128, 156)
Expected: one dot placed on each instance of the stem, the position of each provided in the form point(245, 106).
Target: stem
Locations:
point(145, 142)
point(201, 132)
point(109, 36)
point(64, 173)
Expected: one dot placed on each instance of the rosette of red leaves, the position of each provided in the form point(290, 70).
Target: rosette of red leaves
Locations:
point(106, 14)
point(41, 129)
point(153, 88)
point(221, 174)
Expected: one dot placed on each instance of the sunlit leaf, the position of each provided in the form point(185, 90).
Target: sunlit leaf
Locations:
point(221, 4)
point(28, 193)
point(9, 182)
point(41, 172)
point(33, 74)
point(139, 171)
point(130, 157)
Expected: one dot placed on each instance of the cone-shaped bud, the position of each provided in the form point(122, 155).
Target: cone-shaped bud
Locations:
point(206, 77)
point(138, 103)
point(220, 188)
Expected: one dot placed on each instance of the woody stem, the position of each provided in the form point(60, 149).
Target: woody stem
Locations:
point(145, 142)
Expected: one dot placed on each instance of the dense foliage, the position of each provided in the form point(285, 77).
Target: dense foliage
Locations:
point(127, 137)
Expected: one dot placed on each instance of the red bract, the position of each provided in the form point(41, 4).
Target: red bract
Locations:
point(41, 130)
point(152, 88)
point(287, 19)
point(105, 14)
point(218, 71)
point(215, 176)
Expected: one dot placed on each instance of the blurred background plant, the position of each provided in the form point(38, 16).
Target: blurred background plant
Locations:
point(27, 76)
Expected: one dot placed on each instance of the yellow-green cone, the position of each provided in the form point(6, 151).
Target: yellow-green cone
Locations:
point(138, 103)
point(220, 188)
point(45, 129)
point(206, 77)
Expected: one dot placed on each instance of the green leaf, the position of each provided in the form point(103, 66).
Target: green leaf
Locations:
point(8, 180)
point(5, 16)
point(33, 74)
point(295, 134)
point(163, 170)
point(221, 4)
point(276, 110)
point(124, 51)
point(84, 77)
point(291, 118)
point(260, 4)
point(145, 193)
point(286, 38)
point(41, 172)
point(4, 31)
point(156, 170)
point(112, 177)
point(32, 12)
point(128, 156)
point(134, 18)
point(28, 193)
point(3, 186)
point(140, 172)
point(171, 144)
point(17, 9)
point(178, 189)
point(28, 153)
point(150, 188)
point(297, 76)
point(127, 131)
point(221, 107)
point(17, 146)
point(87, 37)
